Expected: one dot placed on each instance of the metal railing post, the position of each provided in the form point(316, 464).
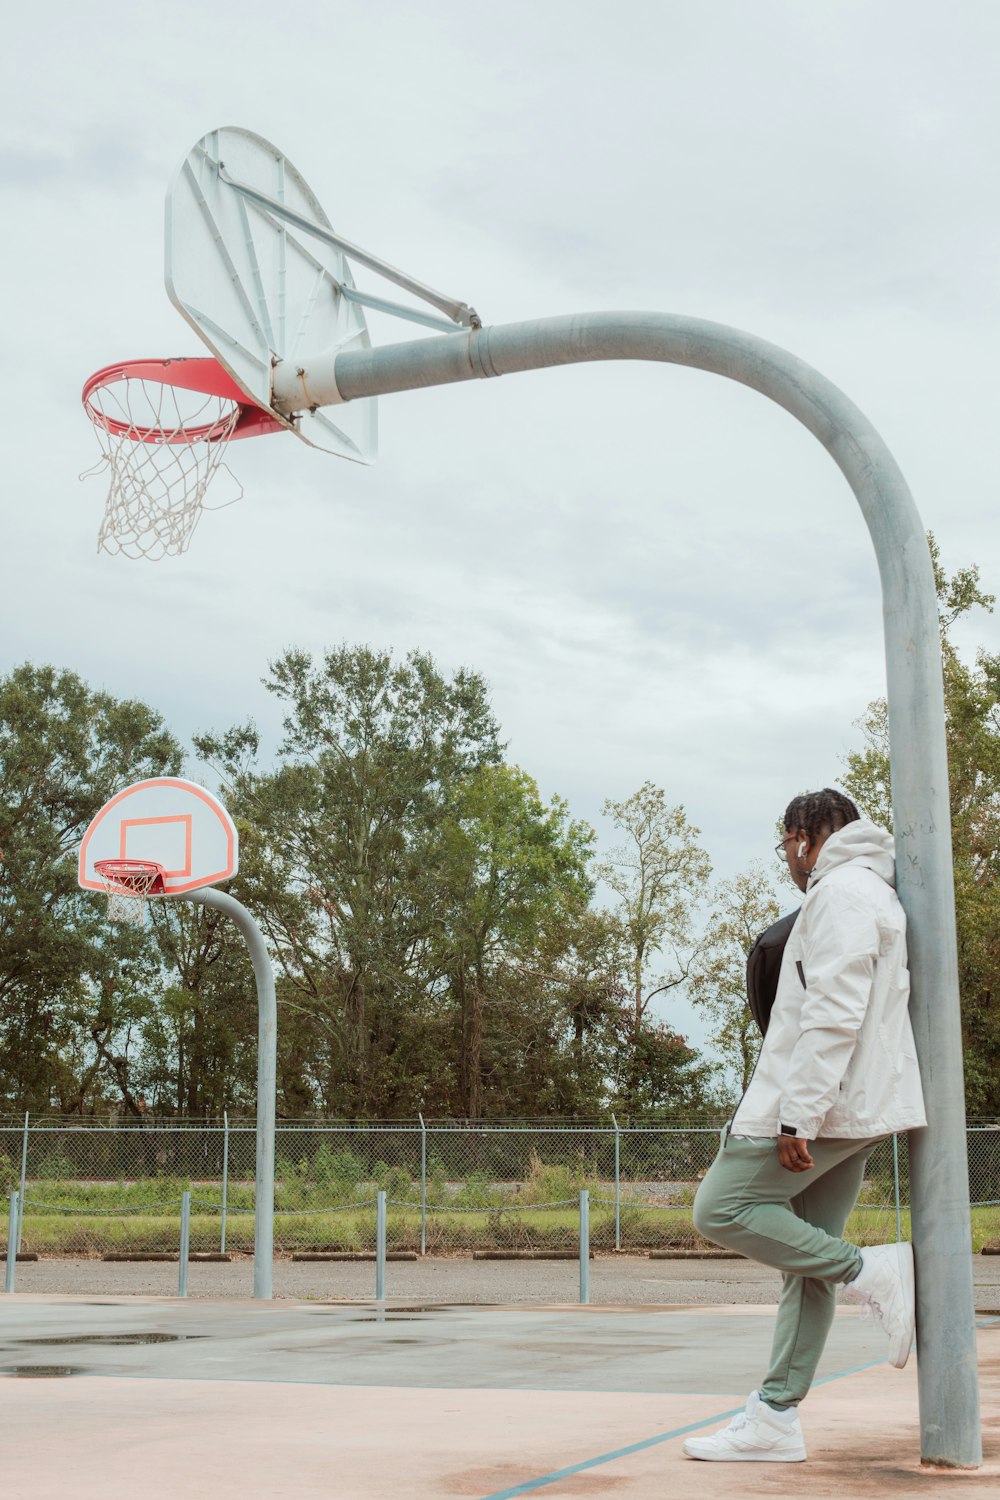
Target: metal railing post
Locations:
point(182, 1269)
point(895, 1183)
point(225, 1179)
point(380, 1246)
point(423, 1186)
point(584, 1246)
point(11, 1243)
point(618, 1188)
point(24, 1168)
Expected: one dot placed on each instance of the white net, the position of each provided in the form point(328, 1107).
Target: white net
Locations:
point(157, 488)
point(127, 891)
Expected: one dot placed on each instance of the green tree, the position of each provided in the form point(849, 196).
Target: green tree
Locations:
point(71, 986)
point(515, 875)
point(661, 1074)
point(741, 909)
point(972, 711)
point(659, 875)
point(342, 860)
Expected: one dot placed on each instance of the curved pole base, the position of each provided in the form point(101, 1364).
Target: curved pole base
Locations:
point(267, 1074)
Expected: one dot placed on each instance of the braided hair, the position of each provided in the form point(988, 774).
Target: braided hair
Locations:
point(820, 812)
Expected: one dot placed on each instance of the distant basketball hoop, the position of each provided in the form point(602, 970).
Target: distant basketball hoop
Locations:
point(128, 882)
point(164, 426)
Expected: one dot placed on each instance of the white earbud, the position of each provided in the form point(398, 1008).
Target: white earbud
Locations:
point(802, 850)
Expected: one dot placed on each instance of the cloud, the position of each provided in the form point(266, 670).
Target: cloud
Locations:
point(108, 163)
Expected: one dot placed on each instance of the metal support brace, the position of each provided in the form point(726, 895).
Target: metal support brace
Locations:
point(459, 312)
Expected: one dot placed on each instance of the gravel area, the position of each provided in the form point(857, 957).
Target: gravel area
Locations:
point(618, 1279)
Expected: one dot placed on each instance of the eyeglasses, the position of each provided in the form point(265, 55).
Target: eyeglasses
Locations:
point(783, 846)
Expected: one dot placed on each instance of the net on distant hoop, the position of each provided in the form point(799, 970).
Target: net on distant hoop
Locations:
point(128, 883)
point(162, 446)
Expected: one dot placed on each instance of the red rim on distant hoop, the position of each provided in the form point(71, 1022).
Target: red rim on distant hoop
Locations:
point(141, 876)
point(203, 375)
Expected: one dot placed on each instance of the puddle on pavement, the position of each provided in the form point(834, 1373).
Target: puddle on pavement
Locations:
point(388, 1318)
point(40, 1372)
point(346, 1346)
point(116, 1338)
point(392, 1312)
point(421, 1343)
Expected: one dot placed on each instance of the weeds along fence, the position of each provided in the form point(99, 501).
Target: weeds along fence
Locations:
point(90, 1189)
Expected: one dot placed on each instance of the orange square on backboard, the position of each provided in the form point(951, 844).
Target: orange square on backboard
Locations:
point(172, 842)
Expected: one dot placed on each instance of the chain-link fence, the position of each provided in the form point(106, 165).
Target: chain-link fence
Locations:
point(103, 1190)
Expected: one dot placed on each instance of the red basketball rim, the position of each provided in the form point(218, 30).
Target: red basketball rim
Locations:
point(141, 876)
point(204, 375)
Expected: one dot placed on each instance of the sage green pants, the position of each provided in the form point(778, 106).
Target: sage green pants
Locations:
point(793, 1221)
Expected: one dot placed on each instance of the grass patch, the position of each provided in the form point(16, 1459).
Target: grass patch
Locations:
point(70, 1218)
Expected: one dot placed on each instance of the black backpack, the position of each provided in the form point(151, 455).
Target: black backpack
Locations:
point(763, 967)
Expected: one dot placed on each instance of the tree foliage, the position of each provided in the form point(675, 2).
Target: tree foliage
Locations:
point(659, 875)
point(972, 711)
point(72, 989)
point(741, 909)
point(439, 935)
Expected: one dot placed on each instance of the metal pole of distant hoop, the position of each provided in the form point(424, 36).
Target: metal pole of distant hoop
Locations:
point(225, 1180)
point(423, 1186)
point(11, 1267)
point(24, 1172)
point(947, 1371)
point(618, 1185)
point(380, 1245)
point(584, 1246)
point(267, 1073)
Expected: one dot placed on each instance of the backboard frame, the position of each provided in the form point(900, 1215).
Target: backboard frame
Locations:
point(200, 843)
point(258, 289)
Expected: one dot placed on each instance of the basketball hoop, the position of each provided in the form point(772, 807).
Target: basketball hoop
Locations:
point(164, 426)
point(128, 882)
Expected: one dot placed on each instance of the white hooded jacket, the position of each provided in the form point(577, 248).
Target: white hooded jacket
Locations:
point(838, 1059)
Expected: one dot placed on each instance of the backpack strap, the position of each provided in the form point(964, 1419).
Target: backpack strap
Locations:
point(764, 966)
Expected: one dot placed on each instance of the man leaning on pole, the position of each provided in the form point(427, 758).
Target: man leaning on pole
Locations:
point(837, 1073)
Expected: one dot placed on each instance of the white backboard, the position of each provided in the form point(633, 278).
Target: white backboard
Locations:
point(256, 288)
point(174, 822)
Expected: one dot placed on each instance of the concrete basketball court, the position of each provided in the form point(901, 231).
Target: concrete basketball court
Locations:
point(158, 1397)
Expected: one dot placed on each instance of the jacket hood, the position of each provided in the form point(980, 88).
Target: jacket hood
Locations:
point(861, 842)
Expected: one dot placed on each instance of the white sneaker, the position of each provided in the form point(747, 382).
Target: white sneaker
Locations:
point(885, 1287)
point(756, 1435)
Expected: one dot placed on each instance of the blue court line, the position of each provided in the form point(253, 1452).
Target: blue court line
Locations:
point(661, 1437)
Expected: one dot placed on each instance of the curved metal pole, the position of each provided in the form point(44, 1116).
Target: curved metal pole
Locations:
point(267, 1073)
point(949, 1395)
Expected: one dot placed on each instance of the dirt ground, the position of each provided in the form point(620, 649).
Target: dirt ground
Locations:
point(613, 1279)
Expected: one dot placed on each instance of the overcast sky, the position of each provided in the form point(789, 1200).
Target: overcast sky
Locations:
point(661, 575)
